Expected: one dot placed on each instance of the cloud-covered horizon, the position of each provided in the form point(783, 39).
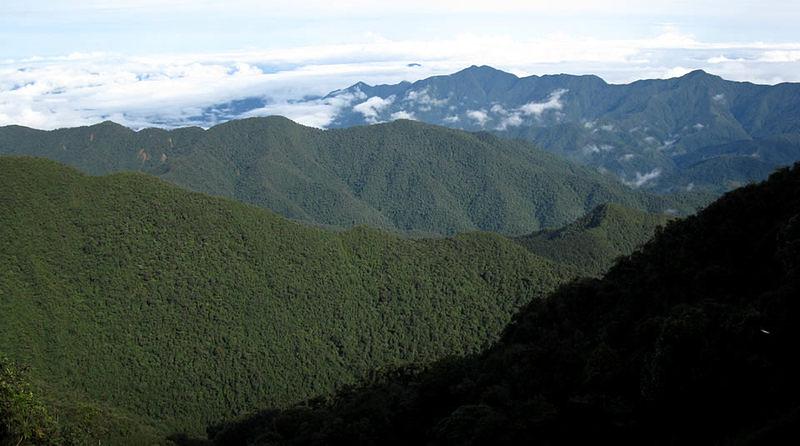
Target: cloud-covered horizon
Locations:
point(169, 90)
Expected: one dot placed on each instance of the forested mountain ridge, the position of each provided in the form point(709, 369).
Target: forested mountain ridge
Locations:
point(697, 131)
point(177, 309)
point(403, 176)
point(689, 340)
point(593, 242)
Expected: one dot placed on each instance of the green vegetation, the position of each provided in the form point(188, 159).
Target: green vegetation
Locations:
point(23, 416)
point(593, 242)
point(666, 126)
point(28, 418)
point(155, 309)
point(691, 340)
point(402, 176)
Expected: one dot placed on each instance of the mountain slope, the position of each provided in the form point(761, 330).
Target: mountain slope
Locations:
point(182, 308)
point(404, 176)
point(690, 340)
point(630, 130)
point(593, 242)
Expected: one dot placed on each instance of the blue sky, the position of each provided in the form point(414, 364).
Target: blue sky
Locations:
point(66, 63)
point(56, 27)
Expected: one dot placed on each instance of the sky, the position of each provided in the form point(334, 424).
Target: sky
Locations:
point(162, 62)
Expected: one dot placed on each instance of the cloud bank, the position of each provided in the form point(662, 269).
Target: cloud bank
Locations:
point(170, 90)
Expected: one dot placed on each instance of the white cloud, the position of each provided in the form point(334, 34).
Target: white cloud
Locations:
point(373, 107)
point(780, 56)
point(138, 92)
point(676, 72)
point(723, 59)
point(422, 97)
point(552, 103)
point(595, 148)
point(315, 113)
point(451, 119)
point(506, 118)
point(591, 148)
point(402, 114)
point(698, 126)
point(512, 120)
point(479, 116)
point(52, 95)
point(642, 179)
point(720, 97)
point(498, 109)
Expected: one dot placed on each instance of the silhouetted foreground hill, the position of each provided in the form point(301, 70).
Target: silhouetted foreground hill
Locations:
point(691, 340)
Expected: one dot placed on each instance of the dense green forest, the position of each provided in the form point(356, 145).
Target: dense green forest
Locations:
point(690, 340)
point(32, 412)
point(593, 242)
point(402, 176)
point(150, 309)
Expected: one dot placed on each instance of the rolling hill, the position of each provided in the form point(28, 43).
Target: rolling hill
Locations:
point(403, 176)
point(167, 310)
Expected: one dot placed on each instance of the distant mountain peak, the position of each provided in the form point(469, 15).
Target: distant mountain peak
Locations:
point(482, 70)
point(260, 122)
point(699, 74)
point(108, 123)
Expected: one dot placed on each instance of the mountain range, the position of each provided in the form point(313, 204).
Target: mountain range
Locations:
point(469, 259)
point(695, 131)
point(405, 176)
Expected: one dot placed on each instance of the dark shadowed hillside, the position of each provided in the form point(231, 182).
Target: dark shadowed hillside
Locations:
point(593, 242)
point(690, 340)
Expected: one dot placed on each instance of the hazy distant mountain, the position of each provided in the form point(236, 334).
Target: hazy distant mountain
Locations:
point(696, 131)
point(405, 175)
